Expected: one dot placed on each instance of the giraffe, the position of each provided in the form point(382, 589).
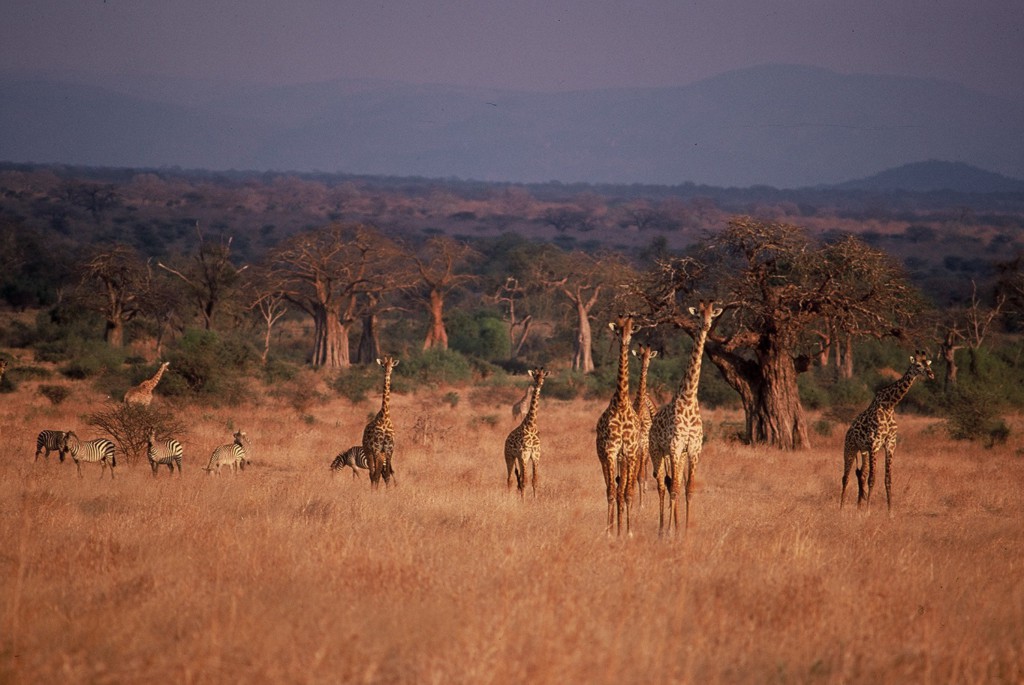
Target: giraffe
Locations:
point(644, 407)
point(379, 434)
point(875, 429)
point(523, 444)
point(521, 404)
point(143, 392)
point(3, 369)
point(618, 437)
point(677, 433)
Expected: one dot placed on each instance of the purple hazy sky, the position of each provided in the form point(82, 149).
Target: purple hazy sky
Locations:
point(525, 44)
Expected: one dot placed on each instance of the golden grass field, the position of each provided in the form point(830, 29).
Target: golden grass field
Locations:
point(288, 573)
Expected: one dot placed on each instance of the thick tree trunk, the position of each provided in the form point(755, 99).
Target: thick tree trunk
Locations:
point(114, 333)
point(769, 394)
point(369, 341)
point(583, 358)
point(437, 336)
point(330, 339)
point(776, 416)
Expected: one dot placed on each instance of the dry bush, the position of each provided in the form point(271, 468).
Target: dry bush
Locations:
point(129, 425)
point(285, 574)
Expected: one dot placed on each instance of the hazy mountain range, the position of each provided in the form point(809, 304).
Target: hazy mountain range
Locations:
point(783, 126)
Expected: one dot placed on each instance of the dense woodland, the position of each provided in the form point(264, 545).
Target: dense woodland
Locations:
point(242, 279)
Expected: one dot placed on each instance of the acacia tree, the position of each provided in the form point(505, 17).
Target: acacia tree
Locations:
point(324, 272)
point(438, 264)
point(209, 275)
point(123, 281)
point(778, 286)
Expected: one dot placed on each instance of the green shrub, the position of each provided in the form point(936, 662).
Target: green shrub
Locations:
point(205, 365)
point(431, 367)
point(357, 382)
point(973, 414)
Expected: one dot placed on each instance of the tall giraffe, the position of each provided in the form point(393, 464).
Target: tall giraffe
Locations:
point(379, 434)
point(677, 433)
point(618, 437)
point(521, 404)
point(522, 445)
point(875, 429)
point(644, 407)
point(143, 392)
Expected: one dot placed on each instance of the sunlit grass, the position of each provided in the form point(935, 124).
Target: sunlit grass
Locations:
point(289, 573)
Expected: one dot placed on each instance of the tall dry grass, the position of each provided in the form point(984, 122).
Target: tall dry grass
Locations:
point(287, 573)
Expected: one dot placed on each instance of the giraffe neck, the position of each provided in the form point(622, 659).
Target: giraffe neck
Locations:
point(151, 383)
point(530, 421)
point(385, 402)
point(889, 396)
point(641, 389)
point(688, 388)
point(622, 381)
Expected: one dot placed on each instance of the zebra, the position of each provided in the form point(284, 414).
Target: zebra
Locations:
point(99, 450)
point(163, 452)
point(354, 457)
point(51, 441)
point(232, 454)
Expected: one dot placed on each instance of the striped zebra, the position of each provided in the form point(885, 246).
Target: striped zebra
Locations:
point(163, 452)
point(354, 457)
point(232, 454)
point(51, 441)
point(99, 450)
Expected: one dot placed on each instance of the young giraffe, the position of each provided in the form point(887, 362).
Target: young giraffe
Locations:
point(379, 434)
point(523, 444)
point(143, 392)
point(875, 429)
point(644, 407)
point(618, 437)
point(677, 433)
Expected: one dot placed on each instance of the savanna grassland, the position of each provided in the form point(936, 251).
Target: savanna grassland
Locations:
point(289, 573)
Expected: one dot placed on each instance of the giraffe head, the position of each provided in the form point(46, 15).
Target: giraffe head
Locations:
point(387, 363)
point(538, 375)
point(705, 313)
point(921, 365)
point(624, 327)
point(645, 353)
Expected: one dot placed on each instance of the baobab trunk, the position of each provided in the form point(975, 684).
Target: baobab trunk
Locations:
point(437, 336)
point(369, 341)
point(330, 340)
point(583, 358)
point(775, 415)
point(114, 333)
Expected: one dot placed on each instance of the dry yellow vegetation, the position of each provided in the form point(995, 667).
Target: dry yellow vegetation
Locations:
point(289, 573)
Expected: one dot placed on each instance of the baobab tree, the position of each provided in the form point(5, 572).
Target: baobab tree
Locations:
point(324, 272)
point(778, 286)
point(581, 278)
point(123, 281)
point(438, 264)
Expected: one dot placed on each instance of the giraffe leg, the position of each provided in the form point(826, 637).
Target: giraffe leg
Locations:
point(871, 476)
point(521, 476)
point(690, 471)
point(510, 465)
point(888, 478)
point(657, 468)
point(849, 456)
point(535, 466)
point(675, 485)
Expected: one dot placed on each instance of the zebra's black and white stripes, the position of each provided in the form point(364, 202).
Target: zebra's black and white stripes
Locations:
point(51, 441)
point(233, 455)
point(354, 457)
point(99, 450)
point(166, 452)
